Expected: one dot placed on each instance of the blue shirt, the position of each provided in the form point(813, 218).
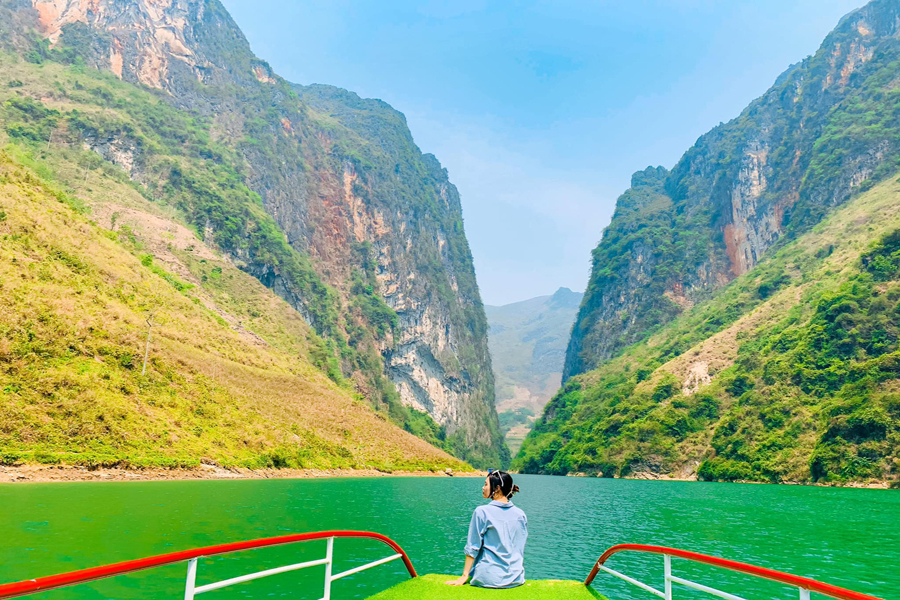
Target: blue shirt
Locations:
point(496, 541)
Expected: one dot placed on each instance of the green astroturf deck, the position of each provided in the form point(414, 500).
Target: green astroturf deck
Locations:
point(431, 587)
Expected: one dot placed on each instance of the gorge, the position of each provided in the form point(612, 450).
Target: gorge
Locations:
point(208, 266)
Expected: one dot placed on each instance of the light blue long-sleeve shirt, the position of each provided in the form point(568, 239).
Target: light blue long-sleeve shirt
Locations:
point(496, 541)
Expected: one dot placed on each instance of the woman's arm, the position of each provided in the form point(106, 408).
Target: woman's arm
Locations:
point(470, 560)
point(473, 545)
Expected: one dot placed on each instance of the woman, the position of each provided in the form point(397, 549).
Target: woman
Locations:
point(497, 537)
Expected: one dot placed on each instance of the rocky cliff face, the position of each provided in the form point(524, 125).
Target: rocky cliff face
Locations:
point(824, 131)
point(403, 211)
point(145, 38)
point(393, 287)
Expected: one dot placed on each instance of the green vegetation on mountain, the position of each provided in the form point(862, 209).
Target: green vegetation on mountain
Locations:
point(517, 416)
point(176, 165)
point(825, 130)
point(801, 384)
point(307, 189)
point(179, 165)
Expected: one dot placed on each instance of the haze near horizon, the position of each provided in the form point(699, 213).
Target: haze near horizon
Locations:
point(542, 111)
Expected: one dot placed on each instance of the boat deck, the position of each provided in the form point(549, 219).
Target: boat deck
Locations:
point(433, 588)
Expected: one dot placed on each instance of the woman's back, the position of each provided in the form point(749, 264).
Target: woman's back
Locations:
point(496, 539)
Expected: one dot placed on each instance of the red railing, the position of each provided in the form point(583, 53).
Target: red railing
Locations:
point(803, 583)
point(22, 588)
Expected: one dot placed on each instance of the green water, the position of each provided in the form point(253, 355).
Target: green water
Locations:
point(846, 537)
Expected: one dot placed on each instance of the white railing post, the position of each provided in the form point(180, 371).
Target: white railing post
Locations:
point(191, 581)
point(804, 594)
point(329, 557)
point(668, 570)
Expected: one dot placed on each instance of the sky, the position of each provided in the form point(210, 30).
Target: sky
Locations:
point(541, 111)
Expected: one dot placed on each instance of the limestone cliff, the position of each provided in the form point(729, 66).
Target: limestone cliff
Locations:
point(800, 385)
point(391, 283)
point(824, 131)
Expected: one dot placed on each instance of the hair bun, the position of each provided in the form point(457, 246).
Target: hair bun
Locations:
point(501, 483)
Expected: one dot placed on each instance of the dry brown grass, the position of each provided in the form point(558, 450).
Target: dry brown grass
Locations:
point(73, 308)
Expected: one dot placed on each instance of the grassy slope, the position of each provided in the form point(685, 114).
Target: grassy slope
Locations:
point(800, 385)
point(433, 587)
point(74, 101)
point(74, 301)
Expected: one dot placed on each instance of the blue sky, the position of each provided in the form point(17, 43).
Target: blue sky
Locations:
point(541, 111)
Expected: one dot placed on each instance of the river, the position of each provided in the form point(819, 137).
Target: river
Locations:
point(848, 537)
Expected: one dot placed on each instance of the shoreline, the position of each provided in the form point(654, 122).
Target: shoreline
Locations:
point(38, 473)
point(65, 473)
point(644, 476)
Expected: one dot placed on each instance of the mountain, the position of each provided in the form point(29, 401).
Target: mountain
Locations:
point(320, 195)
point(226, 375)
point(528, 343)
point(825, 130)
point(723, 330)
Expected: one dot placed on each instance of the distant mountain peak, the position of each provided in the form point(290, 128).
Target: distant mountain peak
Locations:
point(566, 298)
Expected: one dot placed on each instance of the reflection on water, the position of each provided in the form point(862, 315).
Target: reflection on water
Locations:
point(846, 537)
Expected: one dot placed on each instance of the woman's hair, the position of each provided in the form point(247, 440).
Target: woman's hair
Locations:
point(502, 481)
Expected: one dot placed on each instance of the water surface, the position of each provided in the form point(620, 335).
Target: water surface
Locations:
point(848, 537)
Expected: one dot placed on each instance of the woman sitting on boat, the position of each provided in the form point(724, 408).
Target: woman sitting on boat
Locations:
point(497, 537)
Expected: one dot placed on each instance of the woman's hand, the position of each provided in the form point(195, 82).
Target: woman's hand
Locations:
point(466, 570)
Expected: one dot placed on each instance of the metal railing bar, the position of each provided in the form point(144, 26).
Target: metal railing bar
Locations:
point(191, 581)
point(804, 583)
point(632, 581)
point(42, 584)
point(329, 557)
point(364, 567)
point(703, 588)
point(667, 576)
point(258, 575)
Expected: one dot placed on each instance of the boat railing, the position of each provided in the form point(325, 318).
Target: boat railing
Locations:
point(803, 584)
point(31, 586)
